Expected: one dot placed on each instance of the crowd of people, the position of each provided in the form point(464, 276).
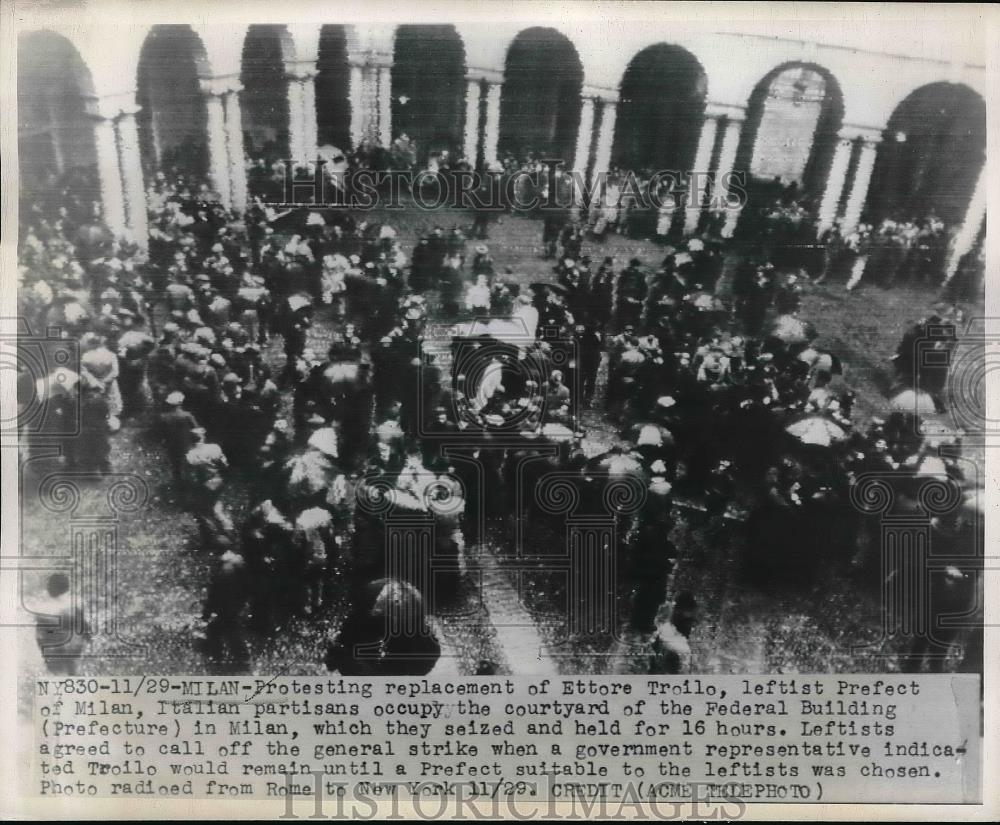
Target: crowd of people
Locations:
point(713, 399)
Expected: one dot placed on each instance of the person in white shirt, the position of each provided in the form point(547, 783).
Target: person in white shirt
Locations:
point(527, 314)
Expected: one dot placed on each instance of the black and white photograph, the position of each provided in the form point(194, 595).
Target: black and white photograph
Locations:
point(462, 344)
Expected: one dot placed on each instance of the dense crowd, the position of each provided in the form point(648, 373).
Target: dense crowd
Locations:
point(719, 397)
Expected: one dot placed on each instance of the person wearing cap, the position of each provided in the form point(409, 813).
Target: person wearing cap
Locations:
point(572, 241)
point(482, 263)
point(234, 421)
point(226, 598)
point(477, 296)
point(557, 397)
point(134, 348)
point(161, 366)
point(450, 286)
point(177, 426)
point(590, 345)
point(630, 294)
point(206, 466)
point(99, 370)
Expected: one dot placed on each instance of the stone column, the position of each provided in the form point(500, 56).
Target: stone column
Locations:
point(605, 140)
point(966, 236)
point(297, 151)
point(724, 182)
point(235, 151)
point(218, 148)
point(370, 102)
point(491, 137)
point(862, 177)
point(109, 173)
point(357, 94)
point(584, 136)
point(699, 177)
point(133, 186)
point(470, 146)
point(310, 129)
point(384, 104)
point(302, 113)
point(57, 149)
point(835, 183)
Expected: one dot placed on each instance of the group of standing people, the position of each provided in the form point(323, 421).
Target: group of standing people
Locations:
point(714, 399)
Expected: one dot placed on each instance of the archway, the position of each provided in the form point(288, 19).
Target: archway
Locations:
point(540, 103)
point(660, 110)
point(793, 117)
point(55, 134)
point(333, 84)
point(428, 88)
point(264, 99)
point(932, 152)
point(173, 120)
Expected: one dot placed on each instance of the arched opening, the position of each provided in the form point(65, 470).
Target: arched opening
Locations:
point(428, 88)
point(793, 117)
point(55, 136)
point(540, 104)
point(333, 84)
point(264, 98)
point(173, 120)
point(660, 110)
point(931, 155)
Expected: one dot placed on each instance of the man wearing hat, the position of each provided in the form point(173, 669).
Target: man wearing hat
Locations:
point(178, 427)
point(206, 464)
point(161, 367)
point(590, 344)
point(482, 263)
point(134, 348)
point(225, 602)
point(630, 294)
point(557, 398)
point(234, 421)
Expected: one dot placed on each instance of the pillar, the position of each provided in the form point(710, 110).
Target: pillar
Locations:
point(859, 186)
point(384, 104)
point(470, 145)
point(966, 236)
point(834, 184)
point(57, 149)
point(370, 113)
point(699, 177)
point(133, 186)
point(725, 169)
point(584, 136)
point(302, 137)
point(109, 173)
point(356, 96)
point(234, 148)
point(605, 140)
point(218, 149)
point(310, 134)
point(491, 138)
point(296, 139)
